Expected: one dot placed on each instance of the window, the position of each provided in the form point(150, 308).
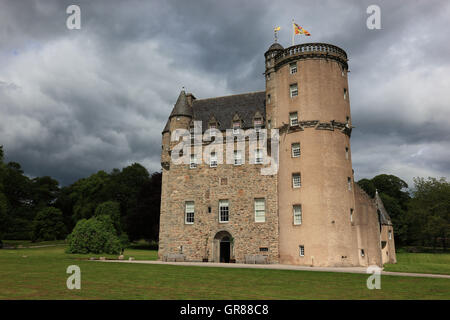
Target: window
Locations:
point(257, 124)
point(293, 90)
point(189, 212)
point(349, 182)
point(362, 253)
point(260, 210)
point(295, 147)
point(264, 249)
point(302, 251)
point(345, 93)
point(390, 234)
point(224, 214)
point(213, 160)
point(193, 162)
point(297, 214)
point(343, 72)
point(351, 215)
point(192, 134)
point(346, 153)
point(293, 67)
point(296, 180)
point(236, 126)
point(293, 119)
point(237, 157)
point(212, 133)
point(268, 98)
point(258, 156)
point(269, 124)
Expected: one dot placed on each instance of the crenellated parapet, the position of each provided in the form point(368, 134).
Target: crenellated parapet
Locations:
point(310, 50)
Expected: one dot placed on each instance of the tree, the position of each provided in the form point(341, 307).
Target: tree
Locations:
point(392, 186)
point(368, 186)
point(3, 200)
point(395, 199)
point(430, 211)
point(111, 209)
point(48, 225)
point(143, 219)
point(45, 191)
point(94, 235)
point(88, 193)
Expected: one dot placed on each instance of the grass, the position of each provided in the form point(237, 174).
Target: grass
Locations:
point(28, 243)
point(40, 273)
point(421, 263)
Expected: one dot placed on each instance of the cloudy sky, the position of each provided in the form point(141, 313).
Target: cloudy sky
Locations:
point(73, 102)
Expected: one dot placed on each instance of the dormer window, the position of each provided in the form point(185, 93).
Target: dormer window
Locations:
point(258, 124)
point(293, 119)
point(236, 127)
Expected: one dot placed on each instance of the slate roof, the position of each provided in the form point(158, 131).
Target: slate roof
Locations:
point(167, 126)
point(223, 109)
point(181, 107)
point(384, 216)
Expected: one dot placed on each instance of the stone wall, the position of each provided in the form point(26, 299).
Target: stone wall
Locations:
point(206, 186)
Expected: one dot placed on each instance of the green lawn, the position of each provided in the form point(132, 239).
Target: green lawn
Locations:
point(40, 273)
point(28, 243)
point(421, 263)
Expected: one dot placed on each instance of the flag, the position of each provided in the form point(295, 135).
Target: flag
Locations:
point(300, 30)
point(276, 29)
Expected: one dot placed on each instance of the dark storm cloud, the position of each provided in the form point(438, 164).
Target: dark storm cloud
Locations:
point(76, 101)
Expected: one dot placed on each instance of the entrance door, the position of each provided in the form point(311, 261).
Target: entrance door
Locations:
point(225, 250)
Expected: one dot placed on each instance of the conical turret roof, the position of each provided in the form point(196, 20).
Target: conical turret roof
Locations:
point(167, 126)
point(182, 107)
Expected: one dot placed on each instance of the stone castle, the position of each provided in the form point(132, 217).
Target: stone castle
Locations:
point(310, 212)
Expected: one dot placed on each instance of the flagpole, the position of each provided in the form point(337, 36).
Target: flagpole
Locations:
point(293, 32)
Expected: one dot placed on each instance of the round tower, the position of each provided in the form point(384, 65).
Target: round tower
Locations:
point(308, 101)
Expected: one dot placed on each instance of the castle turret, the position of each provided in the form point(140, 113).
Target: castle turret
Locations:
point(180, 118)
point(308, 101)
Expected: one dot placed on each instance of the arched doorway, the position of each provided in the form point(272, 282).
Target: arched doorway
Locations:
point(222, 247)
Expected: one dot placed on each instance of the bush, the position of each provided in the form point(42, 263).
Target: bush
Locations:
point(95, 235)
point(112, 209)
point(48, 225)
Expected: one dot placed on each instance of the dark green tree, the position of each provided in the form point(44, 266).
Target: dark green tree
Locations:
point(111, 209)
point(44, 191)
point(48, 225)
point(88, 193)
point(430, 211)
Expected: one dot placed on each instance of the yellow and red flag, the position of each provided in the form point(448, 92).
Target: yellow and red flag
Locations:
point(300, 30)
